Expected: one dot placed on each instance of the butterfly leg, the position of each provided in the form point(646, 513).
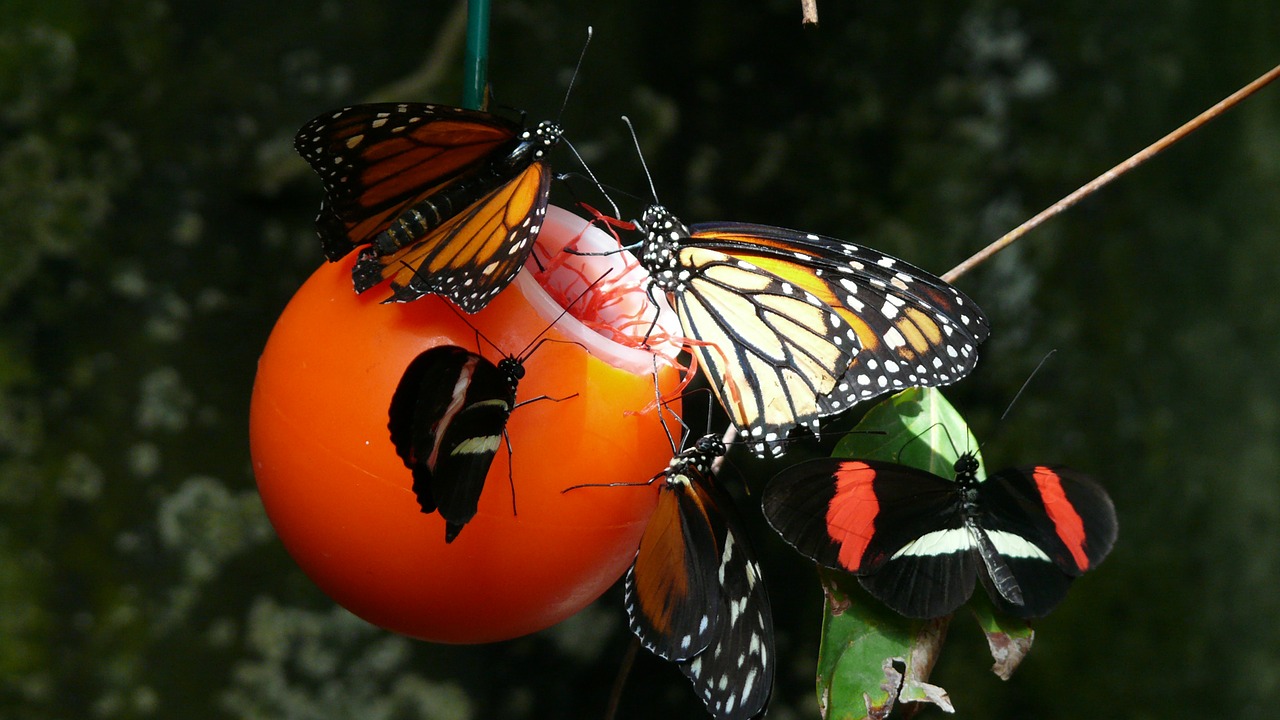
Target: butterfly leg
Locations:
point(511, 481)
point(544, 397)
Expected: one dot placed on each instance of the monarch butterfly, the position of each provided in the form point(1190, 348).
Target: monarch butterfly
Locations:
point(919, 541)
point(792, 326)
point(444, 200)
point(694, 594)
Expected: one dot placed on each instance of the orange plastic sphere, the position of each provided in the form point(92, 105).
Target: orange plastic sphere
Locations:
point(341, 500)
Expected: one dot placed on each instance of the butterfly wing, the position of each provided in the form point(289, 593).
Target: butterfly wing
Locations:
point(913, 328)
point(1051, 524)
point(447, 417)
point(695, 595)
point(671, 591)
point(774, 353)
point(734, 674)
point(378, 160)
point(472, 256)
point(793, 326)
point(898, 528)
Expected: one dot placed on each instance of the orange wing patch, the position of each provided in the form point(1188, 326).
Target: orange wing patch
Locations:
point(483, 247)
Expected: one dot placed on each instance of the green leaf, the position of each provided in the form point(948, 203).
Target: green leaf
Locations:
point(871, 657)
point(1008, 637)
point(915, 427)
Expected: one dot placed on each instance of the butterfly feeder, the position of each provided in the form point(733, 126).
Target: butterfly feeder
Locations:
point(342, 500)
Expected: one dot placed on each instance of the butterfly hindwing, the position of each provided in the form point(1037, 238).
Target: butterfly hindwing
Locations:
point(766, 343)
point(734, 674)
point(493, 237)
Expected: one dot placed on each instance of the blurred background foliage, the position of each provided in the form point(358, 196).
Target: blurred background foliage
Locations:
point(154, 221)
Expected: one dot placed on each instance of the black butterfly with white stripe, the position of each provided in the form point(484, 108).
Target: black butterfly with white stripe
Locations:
point(919, 542)
point(448, 416)
point(694, 594)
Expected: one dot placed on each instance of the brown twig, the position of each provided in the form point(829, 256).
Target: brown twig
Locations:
point(809, 12)
point(1137, 159)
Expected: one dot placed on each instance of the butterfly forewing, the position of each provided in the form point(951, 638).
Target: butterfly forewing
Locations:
point(377, 160)
point(913, 328)
point(900, 531)
point(847, 515)
point(1059, 523)
point(672, 591)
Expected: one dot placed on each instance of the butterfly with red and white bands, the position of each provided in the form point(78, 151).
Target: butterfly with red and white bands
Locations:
point(694, 594)
point(447, 417)
point(445, 200)
point(918, 541)
point(792, 326)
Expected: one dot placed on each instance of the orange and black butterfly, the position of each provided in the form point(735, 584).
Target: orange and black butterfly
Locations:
point(445, 201)
point(694, 594)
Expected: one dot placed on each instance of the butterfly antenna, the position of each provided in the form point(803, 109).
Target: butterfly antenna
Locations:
point(479, 334)
point(929, 445)
point(1027, 382)
point(648, 176)
point(599, 185)
point(564, 103)
point(524, 354)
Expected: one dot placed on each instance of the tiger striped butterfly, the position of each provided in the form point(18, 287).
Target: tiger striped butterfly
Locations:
point(443, 200)
point(694, 594)
point(792, 326)
point(918, 541)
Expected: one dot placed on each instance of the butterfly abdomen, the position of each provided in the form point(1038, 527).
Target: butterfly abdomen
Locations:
point(454, 197)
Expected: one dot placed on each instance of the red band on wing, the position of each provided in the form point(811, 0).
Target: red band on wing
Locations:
point(1066, 521)
point(852, 512)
